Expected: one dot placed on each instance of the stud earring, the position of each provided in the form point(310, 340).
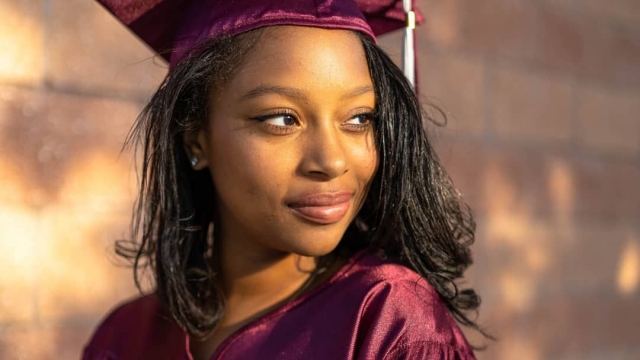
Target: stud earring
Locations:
point(194, 161)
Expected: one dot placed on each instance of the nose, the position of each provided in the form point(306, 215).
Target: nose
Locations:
point(324, 154)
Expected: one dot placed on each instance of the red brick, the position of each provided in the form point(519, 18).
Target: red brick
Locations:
point(508, 180)
point(606, 190)
point(628, 11)
point(522, 261)
point(565, 327)
point(89, 214)
point(17, 294)
point(609, 120)
point(550, 34)
point(456, 85)
point(530, 106)
point(22, 41)
point(569, 307)
point(498, 27)
point(91, 211)
point(464, 164)
point(624, 67)
point(18, 244)
point(44, 342)
point(596, 48)
point(562, 39)
point(450, 81)
point(68, 195)
point(568, 327)
point(588, 45)
point(442, 21)
point(494, 179)
point(620, 319)
point(26, 343)
point(18, 263)
point(563, 305)
point(513, 342)
point(574, 42)
point(391, 43)
point(590, 259)
point(95, 50)
point(70, 340)
point(43, 132)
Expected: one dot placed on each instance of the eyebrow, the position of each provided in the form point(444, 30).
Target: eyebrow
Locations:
point(298, 94)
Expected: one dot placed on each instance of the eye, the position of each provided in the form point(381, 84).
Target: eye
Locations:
point(360, 119)
point(279, 123)
point(284, 120)
point(359, 123)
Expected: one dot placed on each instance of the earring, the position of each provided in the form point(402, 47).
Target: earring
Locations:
point(194, 161)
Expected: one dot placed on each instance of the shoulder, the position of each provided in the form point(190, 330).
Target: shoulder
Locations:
point(402, 314)
point(395, 285)
point(130, 316)
point(129, 329)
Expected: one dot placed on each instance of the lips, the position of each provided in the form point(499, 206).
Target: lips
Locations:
point(322, 208)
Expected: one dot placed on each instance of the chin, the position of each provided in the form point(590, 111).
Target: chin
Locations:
point(303, 238)
point(317, 251)
point(314, 245)
point(314, 249)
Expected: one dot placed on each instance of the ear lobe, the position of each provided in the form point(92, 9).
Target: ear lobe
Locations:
point(196, 146)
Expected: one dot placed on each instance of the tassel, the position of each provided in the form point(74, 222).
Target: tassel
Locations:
point(408, 48)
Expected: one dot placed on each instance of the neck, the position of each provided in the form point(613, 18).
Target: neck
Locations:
point(261, 274)
point(254, 281)
point(256, 277)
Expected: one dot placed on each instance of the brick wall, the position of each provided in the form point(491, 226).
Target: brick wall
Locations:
point(543, 140)
point(72, 81)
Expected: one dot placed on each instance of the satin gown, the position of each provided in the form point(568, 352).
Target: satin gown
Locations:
point(369, 309)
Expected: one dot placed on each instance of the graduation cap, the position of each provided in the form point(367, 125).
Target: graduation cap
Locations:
point(172, 27)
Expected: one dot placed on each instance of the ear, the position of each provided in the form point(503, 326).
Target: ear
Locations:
point(196, 145)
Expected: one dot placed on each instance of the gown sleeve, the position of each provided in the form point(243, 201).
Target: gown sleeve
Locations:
point(93, 354)
point(136, 330)
point(428, 350)
point(406, 319)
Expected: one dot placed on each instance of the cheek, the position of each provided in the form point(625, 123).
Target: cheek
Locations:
point(246, 170)
point(365, 160)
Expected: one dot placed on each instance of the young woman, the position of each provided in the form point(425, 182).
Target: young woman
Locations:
point(291, 206)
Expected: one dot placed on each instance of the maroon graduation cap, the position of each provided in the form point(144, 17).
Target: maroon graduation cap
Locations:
point(172, 27)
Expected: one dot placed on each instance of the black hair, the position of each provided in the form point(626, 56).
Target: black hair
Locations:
point(413, 214)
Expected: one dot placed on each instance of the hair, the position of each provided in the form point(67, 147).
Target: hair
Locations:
point(412, 213)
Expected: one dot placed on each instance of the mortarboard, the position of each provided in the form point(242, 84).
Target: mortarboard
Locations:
point(172, 27)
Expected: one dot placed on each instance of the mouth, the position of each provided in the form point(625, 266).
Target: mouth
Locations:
point(322, 208)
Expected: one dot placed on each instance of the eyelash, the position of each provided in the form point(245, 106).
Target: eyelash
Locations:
point(277, 128)
point(368, 115)
point(290, 128)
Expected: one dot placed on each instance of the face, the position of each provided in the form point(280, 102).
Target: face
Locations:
point(290, 142)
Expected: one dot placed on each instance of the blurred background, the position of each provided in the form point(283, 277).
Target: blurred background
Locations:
point(543, 141)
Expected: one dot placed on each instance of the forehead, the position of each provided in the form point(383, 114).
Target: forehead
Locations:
point(305, 56)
